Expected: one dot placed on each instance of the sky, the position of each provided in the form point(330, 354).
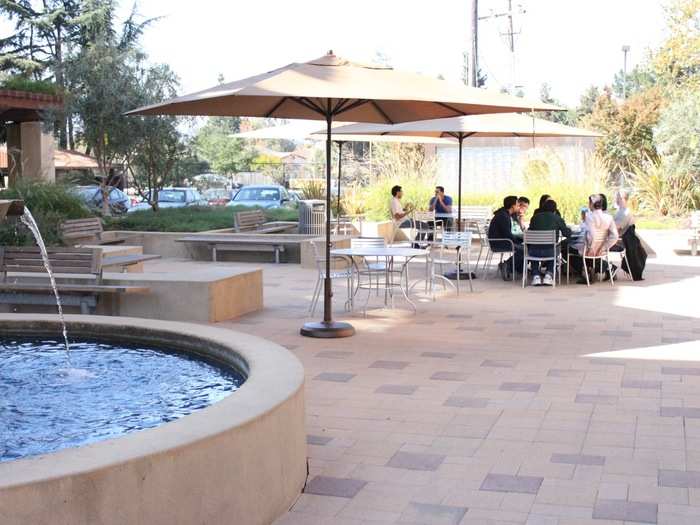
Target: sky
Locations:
point(569, 44)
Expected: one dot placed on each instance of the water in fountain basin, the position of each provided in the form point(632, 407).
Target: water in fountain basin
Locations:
point(28, 220)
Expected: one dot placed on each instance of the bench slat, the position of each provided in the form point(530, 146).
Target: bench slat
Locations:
point(76, 288)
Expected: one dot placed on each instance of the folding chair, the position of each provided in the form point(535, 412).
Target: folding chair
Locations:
point(549, 238)
point(600, 239)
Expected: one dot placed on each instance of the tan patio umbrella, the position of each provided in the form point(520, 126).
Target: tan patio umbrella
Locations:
point(332, 88)
point(459, 128)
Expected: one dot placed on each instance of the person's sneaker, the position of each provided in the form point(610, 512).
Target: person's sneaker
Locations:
point(547, 280)
point(606, 275)
point(537, 280)
point(582, 280)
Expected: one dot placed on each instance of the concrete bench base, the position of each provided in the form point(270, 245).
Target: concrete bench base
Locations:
point(207, 296)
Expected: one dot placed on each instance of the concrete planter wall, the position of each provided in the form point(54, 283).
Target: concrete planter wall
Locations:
point(242, 460)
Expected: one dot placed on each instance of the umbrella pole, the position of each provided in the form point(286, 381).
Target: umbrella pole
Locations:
point(459, 185)
point(340, 171)
point(453, 274)
point(328, 329)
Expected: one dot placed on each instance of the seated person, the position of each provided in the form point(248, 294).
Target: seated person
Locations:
point(594, 221)
point(398, 214)
point(544, 198)
point(501, 232)
point(546, 220)
point(519, 217)
point(441, 204)
point(623, 218)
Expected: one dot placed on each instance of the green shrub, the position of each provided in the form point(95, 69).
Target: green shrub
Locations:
point(191, 219)
point(664, 189)
point(50, 204)
point(19, 83)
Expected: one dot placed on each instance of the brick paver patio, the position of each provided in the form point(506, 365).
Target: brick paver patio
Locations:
point(506, 406)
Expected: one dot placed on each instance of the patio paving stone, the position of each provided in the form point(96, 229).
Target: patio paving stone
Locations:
point(627, 511)
point(439, 355)
point(578, 459)
point(403, 390)
point(466, 402)
point(390, 365)
point(679, 478)
point(338, 487)
point(520, 387)
point(335, 377)
point(318, 440)
point(419, 513)
point(508, 483)
point(415, 461)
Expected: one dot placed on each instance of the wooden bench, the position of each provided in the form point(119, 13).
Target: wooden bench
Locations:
point(694, 240)
point(84, 264)
point(255, 221)
point(81, 231)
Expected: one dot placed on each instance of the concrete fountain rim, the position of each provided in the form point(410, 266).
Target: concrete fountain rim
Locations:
point(273, 375)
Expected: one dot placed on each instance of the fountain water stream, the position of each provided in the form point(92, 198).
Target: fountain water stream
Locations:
point(28, 220)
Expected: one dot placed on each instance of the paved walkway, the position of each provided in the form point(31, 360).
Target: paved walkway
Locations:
point(506, 406)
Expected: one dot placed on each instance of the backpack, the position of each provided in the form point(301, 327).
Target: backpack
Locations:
point(635, 254)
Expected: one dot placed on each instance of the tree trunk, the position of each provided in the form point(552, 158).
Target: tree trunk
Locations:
point(60, 82)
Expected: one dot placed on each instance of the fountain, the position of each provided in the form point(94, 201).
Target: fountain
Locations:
point(167, 422)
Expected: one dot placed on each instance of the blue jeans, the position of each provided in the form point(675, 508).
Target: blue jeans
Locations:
point(542, 251)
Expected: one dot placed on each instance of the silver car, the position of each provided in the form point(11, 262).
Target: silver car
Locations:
point(174, 198)
point(262, 196)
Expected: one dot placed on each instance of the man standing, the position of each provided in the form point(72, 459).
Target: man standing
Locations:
point(501, 238)
point(441, 204)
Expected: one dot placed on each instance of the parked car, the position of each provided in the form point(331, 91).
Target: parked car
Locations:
point(295, 196)
point(174, 198)
point(263, 196)
point(218, 196)
point(119, 202)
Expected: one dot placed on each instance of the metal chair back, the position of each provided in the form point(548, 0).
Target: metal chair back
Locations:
point(457, 239)
point(367, 242)
point(543, 237)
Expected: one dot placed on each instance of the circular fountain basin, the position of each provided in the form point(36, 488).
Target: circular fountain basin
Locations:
point(243, 458)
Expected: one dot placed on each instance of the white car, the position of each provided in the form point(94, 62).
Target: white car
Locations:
point(174, 198)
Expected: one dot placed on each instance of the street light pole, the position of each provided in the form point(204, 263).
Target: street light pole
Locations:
point(625, 50)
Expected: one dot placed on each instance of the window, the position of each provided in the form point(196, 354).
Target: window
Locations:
point(171, 196)
point(258, 194)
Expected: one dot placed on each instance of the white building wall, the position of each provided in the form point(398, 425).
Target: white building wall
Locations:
point(495, 164)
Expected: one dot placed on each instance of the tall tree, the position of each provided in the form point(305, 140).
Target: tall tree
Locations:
point(225, 154)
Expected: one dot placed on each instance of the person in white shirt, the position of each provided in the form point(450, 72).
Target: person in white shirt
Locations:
point(595, 221)
point(398, 214)
point(623, 218)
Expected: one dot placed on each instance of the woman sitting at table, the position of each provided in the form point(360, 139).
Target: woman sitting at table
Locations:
point(594, 220)
point(546, 220)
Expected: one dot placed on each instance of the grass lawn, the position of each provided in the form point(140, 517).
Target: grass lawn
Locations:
point(193, 219)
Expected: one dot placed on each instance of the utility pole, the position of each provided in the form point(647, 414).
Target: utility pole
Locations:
point(625, 50)
point(474, 71)
point(509, 34)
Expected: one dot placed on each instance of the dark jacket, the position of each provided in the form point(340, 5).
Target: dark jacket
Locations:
point(501, 228)
point(636, 255)
point(549, 221)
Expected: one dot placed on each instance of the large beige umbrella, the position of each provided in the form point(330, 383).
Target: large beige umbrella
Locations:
point(459, 128)
point(332, 88)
